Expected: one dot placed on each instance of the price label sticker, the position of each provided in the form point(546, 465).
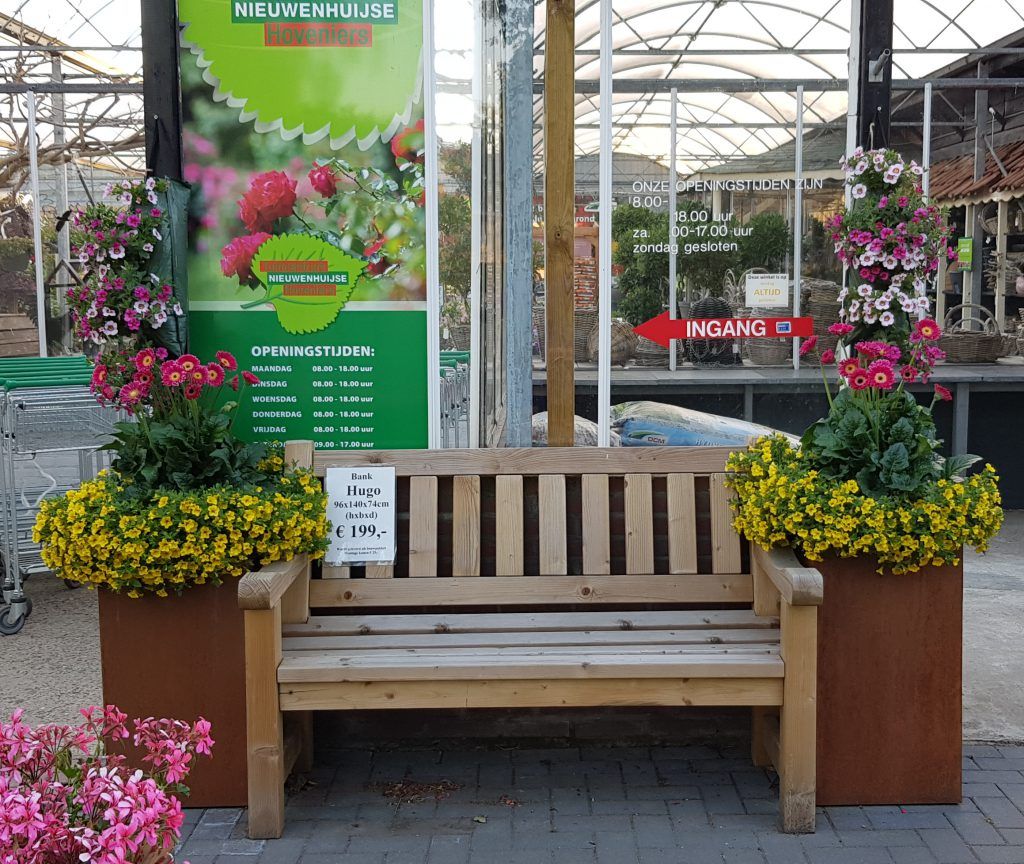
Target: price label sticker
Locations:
point(361, 507)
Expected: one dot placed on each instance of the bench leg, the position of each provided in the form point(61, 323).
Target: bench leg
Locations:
point(304, 724)
point(798, 718)
point(760, 718)
point(264, 726)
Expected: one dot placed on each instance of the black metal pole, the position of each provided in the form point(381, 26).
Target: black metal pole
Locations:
point(161, 87)
point(874, 95)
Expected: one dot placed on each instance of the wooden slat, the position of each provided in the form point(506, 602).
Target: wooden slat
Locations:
point(264, 730)
point(326, 666)
point(551, 539)
point(760, 747)
point(596, 534)
point(466, 526)
point(735, 636)
point(532, 590)
point(531, 461)
point(798, 718)
point(682, 524)
point(486, 656)
point(559, 216)
point(639, 525)
point(528, 622)
point(508, 510)
point(380, 571)
point(531, 694)
point(725, 542)
point(423, 527)
point(331, 572)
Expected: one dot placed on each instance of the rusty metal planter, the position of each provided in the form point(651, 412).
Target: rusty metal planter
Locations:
point(183, 657)
point(889, 685)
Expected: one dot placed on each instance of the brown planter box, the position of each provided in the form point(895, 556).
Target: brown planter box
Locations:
point(889, 685)
point(182, 657)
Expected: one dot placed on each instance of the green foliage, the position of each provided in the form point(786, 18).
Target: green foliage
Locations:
point(644, 280)
point(454, 219)
point(767, 243)
point(185, 452)
point(887, 444)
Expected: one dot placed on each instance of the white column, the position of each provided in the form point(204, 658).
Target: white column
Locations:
point(604, 235)
point(37, 222)
point(1001, 230)
point(672, 305)
point(476, 205)
point(430, 180)
point(798, 215)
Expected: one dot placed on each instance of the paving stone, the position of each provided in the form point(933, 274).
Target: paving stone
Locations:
point(1001, 812)
point(653, 831)
point(329, 837)
point(781, 848)
point(848, 818)
point(1003, 763)
point(448, 850)
point(405, 857)
point(286, 850)
point(932, 818)
point(974, 828)
point(986, 790)
point(242, 847)
point(743, 856)
point(341, 858)
point(860, 855)
point(615, 847)
point(1013, 791)
point(888, 837)
point(672, 855)
point(990, 776)
point(946, 845)
point(1013, 836)
point(1000, 854)
point(911, 855)
point(975, 750)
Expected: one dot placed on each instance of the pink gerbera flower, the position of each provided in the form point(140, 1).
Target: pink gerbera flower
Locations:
point(927, 329)
point(249, 378)
point(193, 390)
point(859, 380)
point(840, 328)
point(171, 374)
point(808, 345)
point(908, 373)
point(227, 360)
point(188, 362)
point(881, 375)
point(943, 393)
point(214, 374)
point(145, 359)
point(849, 367)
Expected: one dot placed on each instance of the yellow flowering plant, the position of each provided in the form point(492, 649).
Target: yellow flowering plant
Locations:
point(168, 540)
point(782, 500)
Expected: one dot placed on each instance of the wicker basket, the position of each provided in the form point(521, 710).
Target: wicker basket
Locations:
point(585, 322)
point(971, 346)
point(539, 329)
point(623, 343)
point(649, 353)
point(770, 352)
point(460, 336)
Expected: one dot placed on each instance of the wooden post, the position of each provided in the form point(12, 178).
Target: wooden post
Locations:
point(797, 734)
point(1000, 289)
point(559, 208)
point(263, 723)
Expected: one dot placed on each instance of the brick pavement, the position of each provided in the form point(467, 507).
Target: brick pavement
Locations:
point(624, 805)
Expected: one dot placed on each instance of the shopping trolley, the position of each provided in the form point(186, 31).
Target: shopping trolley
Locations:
point(455, 398)
point(50, 429)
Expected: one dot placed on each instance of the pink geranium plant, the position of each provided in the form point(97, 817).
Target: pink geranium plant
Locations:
point(65, 799)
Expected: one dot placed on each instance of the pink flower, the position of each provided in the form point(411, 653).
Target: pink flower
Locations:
point(171, 374)
point(271, 196)
point(859, 379)
point(188, 362)
point(927, 329)
point(324, 180)
point(881, 375)
point(407, 145)
point(849, 367)
point(908, 373)
point(236, 257)
point(808, 346)
point(840, 329)
point(144, 359)
point(193, 390)
point(249, 378)
point(214, 374)
point(943, 393)
point(828, 357)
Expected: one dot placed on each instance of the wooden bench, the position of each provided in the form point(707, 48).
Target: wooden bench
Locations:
point(609, 577)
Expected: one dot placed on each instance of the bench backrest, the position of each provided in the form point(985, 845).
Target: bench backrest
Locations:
point(551, 526)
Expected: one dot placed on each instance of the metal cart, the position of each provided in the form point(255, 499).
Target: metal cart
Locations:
point(50, 429)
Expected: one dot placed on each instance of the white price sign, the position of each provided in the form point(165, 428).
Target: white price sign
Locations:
point(767, 289)
point(361, 507)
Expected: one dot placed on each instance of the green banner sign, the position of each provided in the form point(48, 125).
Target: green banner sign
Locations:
point(965, 252)
point(304, 146)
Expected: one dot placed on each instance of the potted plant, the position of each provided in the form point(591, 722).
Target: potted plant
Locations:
point(868, 499)
point(185, 510)
point(64, 798)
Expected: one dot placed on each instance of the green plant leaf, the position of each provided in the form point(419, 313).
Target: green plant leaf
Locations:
point(305, 313)
point(361, 93)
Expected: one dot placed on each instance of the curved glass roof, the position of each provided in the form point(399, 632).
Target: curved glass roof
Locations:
point(736, 64)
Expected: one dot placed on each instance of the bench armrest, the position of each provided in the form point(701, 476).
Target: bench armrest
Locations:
point(264, 588)
point(797, 585)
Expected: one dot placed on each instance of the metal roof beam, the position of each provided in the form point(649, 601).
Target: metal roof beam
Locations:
point(778, 85)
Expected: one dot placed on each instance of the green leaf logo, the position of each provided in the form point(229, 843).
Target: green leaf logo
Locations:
point(308, 281)
point(359, 92)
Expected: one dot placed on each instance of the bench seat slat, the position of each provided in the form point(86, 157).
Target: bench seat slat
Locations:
point(493, 664)
point(536, 638)
point(537, 693)
point(516, 622)
point(533, 590)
